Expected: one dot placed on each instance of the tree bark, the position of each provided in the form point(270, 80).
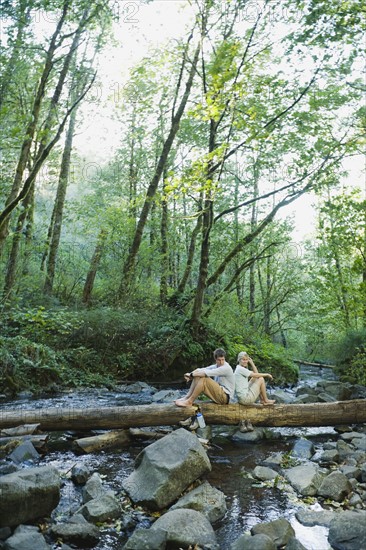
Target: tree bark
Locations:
point(129, 265)
point(31, 128)
point(58, 209)
point(308, 414)
point(94, 264)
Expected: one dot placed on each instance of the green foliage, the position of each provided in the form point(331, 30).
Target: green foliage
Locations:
point(27, 365)
point(351, 357)
point(268, 357)
point(50, 326)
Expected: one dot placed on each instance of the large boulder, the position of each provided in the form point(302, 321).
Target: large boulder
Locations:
point(306, 479)
point(146, 539)
point(256, 542)
point(28, 494)
point(303, 448)
point(279, 531)
point(309, 518)
point(103, 508)
point(347, 531)
point(166, 468)
point(186, 528)
point(77, 531)
point(206, 499)
point(335, 486)
point(26, 537)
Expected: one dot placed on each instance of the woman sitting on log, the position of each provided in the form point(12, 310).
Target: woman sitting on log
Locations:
point(250, 384)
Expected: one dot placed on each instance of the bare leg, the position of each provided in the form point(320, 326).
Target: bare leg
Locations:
point(190, 391)
point(194, 391)
point(263, 393)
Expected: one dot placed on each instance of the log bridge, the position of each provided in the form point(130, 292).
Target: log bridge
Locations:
point(289, 415)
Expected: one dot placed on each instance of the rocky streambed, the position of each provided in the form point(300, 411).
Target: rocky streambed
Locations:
point(265, 489)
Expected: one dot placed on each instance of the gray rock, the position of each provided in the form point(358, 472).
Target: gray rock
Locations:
point(329, 457)
point(93, 488)
point(324, 397)
point(146, 539)
point(250, 437)
point(279, 531)
point(264, 473)
point(351, 471)
point(348, 436)
point(101, 509)
point(5, 533)
point(205, 499)
point(303, 448)
point(294, 544)
point(165, 396)
point(282, 397)
point(80, 474)
point(187, 527)
point(256, 542)
point(344, 449)
point(309, 518)
point(81, 534)
point(363, 472)
point(355, 500)
point(347, 531)
point(338, 390)
point(24, 452)
point(302, 390)
point(306, 479)
point(137, 387)
point(28, 494)
point(359, 443)
point(26, 537)
point(8, 469)
point(306, 398)
point(274, 460)
point(335, 486)
point(166, 468)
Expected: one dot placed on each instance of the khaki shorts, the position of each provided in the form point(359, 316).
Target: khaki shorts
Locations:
point(253, 393)
point(214, 391)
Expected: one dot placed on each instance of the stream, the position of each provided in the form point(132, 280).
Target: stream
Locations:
point(248, 501)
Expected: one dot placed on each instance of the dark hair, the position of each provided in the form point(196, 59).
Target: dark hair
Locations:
point(219, 352)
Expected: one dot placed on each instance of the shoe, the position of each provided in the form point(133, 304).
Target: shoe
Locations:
point(186, 423)
point(194, 425)
point(242, 426)
point(249, 426)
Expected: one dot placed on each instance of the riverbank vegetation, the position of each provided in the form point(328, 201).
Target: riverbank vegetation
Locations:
point(138, 262)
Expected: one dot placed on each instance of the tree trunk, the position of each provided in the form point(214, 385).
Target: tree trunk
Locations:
point(129, 265)
point(253, 224)
point(164, 249)
point(31, 128)
point(94, 264)
point(57, 214)
point(12, 265)
point(308, 414)
point(207, 222)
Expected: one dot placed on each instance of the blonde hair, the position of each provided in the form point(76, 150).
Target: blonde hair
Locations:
point(241, 355)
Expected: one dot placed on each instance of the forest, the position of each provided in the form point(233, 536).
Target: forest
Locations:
point(176, 234)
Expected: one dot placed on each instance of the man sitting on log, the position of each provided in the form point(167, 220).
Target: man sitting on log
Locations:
point(216, 381)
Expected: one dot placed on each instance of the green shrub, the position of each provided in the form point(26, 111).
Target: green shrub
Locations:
point(355, 370)
point(26, 365)
point(268, 357)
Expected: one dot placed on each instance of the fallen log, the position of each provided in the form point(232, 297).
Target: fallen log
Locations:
point(304, 414)
point(309, 364)
point(109, 440)
point(38, 441)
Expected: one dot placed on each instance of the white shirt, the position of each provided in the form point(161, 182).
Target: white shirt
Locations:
point(222, 375)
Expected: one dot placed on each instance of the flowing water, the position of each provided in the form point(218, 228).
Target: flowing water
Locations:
point(249, 502)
